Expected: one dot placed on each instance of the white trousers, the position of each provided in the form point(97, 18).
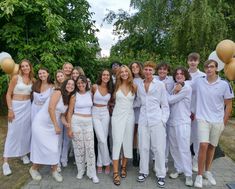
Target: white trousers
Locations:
point(101, 120)
point(194, 138)
point(179, 137)
point(83, 144)
point(153, 137)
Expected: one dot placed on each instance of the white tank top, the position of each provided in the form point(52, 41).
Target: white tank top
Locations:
point(83, 103)
point(22, 88)
point(98, 98)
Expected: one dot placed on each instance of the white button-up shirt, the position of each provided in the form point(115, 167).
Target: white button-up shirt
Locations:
point(154, 104)
point(168, 81)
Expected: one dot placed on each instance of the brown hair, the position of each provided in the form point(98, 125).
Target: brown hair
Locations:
point(194, 56)
point(57, 84)
point(150, 64)
point(141, 74)
point(31, 69)
point(65, 95)
point(109, 84)
point(165, 66)
point(84, 80)
point(184, 71)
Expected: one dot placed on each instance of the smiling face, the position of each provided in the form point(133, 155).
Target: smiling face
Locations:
point(81, 85)
point(25, 68)
point(148, 72)
point(70, 86)
point(135, 68)
point(75, 74)
point(179, 76)
point(211, 69)
point(193, 63)
point(105, 76)
point(67, 68)
point(162, 72)
point(60, 77)
point(43, 75)
point(124, 73)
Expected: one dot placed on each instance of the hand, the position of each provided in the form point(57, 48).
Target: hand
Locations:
point(57, 130)
point(11, 115)
point(67, 125)
point(177, 88)
point(70, 133)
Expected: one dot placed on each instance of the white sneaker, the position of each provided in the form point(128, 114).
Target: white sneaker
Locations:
point(195, 165)
point(174, 175)
point(198, 181)
point(80, 176)
point(35, 174)
point(95, 180)
point(208, 175)
point(188, 181)
point(57, 176)
point(25, 159)
point(6, 169)
point(64, 164)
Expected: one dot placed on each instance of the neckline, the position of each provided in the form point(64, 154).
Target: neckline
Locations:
point(101, 93)
point(124, 93)
point(24, 82)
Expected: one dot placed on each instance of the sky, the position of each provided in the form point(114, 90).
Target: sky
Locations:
point(100, 8)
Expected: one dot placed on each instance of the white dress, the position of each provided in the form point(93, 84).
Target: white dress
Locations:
point(123, 124)
point(45, 141)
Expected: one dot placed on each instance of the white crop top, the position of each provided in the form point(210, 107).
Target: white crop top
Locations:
point(98, 98)
point(22, 88)
point(83, 103)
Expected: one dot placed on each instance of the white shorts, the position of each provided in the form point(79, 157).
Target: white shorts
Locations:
point(209, 132)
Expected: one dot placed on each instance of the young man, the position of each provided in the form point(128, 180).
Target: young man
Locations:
point(115, 65)
point(213, 108)
point(154, 113)
point(193, 61)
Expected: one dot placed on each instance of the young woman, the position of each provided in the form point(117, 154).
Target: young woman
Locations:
point(77, 71)
point(123, 121)
point(102, 92)
point(137, 73)
point(42, 90)
point(46, 130)
point(81, 130)
point(19, 118)
point(67, 69)
point(59, 79)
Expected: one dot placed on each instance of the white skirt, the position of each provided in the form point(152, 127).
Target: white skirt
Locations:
point(19, 130)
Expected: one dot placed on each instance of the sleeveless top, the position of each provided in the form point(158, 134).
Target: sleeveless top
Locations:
point(98, 98)
point(40, 98)
point(21, 87)
point(83, 103)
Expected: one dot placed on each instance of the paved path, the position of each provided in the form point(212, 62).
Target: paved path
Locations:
point(223, 170)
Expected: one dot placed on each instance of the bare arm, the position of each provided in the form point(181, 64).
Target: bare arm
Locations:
point(227, 110)
point(69, 115)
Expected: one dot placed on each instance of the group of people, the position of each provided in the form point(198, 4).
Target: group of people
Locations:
point(149, 117)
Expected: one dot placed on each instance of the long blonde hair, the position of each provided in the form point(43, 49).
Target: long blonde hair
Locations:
point(119, 80)
point(31, 74)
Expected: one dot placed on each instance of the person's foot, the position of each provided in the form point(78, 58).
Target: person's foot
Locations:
point(57, 176)
point(25, 159)
point(95, 180)
point(99, 170)
point(198, 181)
point(64, 164)
point(141, 177)
point(116, 179)
point(161, 182)
point(79, 176)
point(107, 170)
point(35, 174)
point(123, 172)
point(208, 175)
point(188, 181)
point(174, 175)
point(6, 169)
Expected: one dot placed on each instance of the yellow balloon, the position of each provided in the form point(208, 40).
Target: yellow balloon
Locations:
point(7, 65)
point(15, 70)
point(225, 50)
point(229, 69)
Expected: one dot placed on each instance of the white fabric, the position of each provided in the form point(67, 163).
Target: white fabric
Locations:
point(98, 98)
point(168, 81)
point(123, 125)
point(83, 103)
point(19, 130)
point(45, 141)
point(101, 120)
point(83, 145)
point(210, 99)
point(137, 102)
point(21, 87)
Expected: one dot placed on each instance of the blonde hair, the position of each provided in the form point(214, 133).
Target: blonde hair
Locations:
point(150, 64)
point(31, 74)
point(57, 84)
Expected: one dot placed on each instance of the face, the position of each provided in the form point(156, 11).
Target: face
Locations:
point(25, 67)
point(210, 69)
point(193, 63)
point(115, 68)
point(135, 68)
point(60, 77)
point(124, 74)
point(75, 75)
point(148, 72)
point(81, 85)
point(43, 75)
point(179, 77)
point(67, 68)
point(162, 72)
point(105, 76)
point(70, 86)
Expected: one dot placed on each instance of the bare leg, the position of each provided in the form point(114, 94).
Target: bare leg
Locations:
point(209, 156)
point(202, 157)
point(116, 177)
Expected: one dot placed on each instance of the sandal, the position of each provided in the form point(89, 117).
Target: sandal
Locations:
point(123, 172)
point(107, 170)
point(116, 179)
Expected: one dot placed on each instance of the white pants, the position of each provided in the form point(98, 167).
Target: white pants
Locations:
point(179, 137)
point(167, 143)
point(101, 120)
point(153, 137)
point(83, 144)
point(194, 138)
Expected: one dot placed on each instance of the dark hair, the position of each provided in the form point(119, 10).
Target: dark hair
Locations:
point(65, 95)
point(115, 62)
point(194, 56)
point(109, 84)
point(207, 62)
point(84, 80)
point(184, 71)
point(37, 84)
point(141, 74)
point(164, 65)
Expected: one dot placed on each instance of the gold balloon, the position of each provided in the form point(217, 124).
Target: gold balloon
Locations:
point(7, 65)
point(15, 70)
point(225, 50)
point(229, 69)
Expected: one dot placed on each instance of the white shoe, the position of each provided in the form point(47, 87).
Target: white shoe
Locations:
point(6, 169)
point(25, 159)
point(95, 180)
point(57, 176)
point(195, 165)
point(35, 174)
point(188, 181)
point(174, 175)
point(64, 164)
point(80, 176)
point(198, 181)
point(208, 175)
